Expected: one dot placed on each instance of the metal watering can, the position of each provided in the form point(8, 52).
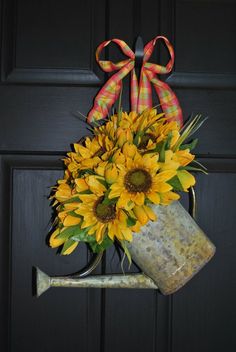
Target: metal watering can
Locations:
point(169, 251)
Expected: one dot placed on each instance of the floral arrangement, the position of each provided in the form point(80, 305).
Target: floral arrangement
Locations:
point(113, 178)
point(131, 162)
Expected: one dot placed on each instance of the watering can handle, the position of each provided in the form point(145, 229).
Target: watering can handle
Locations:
point(98, 257)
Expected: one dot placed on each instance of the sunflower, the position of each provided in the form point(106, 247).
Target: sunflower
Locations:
point(177, 161)
point(89, 154)
point(103, 218)
point(139, 180)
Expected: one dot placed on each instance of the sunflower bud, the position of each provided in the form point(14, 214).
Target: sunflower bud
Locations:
point(63, 192)
point(100, 169)
point(129, 150)
point(118, 158)
point(111, 173)
point(54, 241)
point(184, 157)
point(124, 136)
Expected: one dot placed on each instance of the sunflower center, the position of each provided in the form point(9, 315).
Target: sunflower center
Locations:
point(104, 212)
point(138, 180)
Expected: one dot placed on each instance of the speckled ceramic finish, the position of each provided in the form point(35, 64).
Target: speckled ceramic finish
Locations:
point(172, 249)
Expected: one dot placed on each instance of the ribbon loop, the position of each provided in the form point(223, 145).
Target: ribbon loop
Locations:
point(141, 94)
point(109, 66)
point(148, 50)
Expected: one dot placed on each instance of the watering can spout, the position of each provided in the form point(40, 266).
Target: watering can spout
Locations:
point(43, 282)
point(140, 281)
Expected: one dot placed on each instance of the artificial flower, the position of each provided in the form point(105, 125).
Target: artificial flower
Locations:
point(101, 218)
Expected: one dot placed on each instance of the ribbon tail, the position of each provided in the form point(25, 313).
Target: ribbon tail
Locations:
point(144, 93)
point(168, 100)
point(108, 94)
point(104, 100)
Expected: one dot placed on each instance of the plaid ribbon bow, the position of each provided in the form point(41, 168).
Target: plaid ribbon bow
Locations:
point(141, 94)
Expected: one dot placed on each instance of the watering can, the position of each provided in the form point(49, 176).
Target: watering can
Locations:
point(169, 252)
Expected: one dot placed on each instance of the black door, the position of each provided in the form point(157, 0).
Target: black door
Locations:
point(48, 73)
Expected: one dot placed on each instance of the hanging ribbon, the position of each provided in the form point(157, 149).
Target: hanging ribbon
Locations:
point(141, 95)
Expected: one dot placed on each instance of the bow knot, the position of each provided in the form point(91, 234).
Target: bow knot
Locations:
point(140, 94)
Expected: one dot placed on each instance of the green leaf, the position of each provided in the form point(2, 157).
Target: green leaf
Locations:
point(69, 232)
point(168, 140)
point(72, 200)
point(192, 168)
point(126, 251)
point(157, 149)
point(103, 182)
point(189, 146)
point(199, 164)
point(147, 201)
point(87, 191)
point(72, 213)
point(188, 129)
point(162, 152)
point(83, 236)
point(86, 171)
point(98, 247)
point(131, 221)
point(129, 203)
point(67, 245)
point(108, 201)
point(175, 183)
point(136, 138)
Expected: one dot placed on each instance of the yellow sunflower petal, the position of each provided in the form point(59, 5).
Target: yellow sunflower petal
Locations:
point(186, 179)
point(154, 197)
point(150, 213)
point(100, 169)
point(136, 227)
point(63, 192)
point(54, 241)
point(95, 185)
point(162, 187)
point(127, 234)
point(165, 175)
point(70, 249)
point(138, 198)
point(71, 206)
point(89, 221)
point(168, 197)
point(140, 214)
point(184, 157)
point(118, 157)
point(71, 220)
point(83, 151)
point(129, 150)
point(125, 201)
point(111, 173)
point(89, 163)
point(116, 190)
point(81, 185)
point(62, 215)
point(100, 232)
